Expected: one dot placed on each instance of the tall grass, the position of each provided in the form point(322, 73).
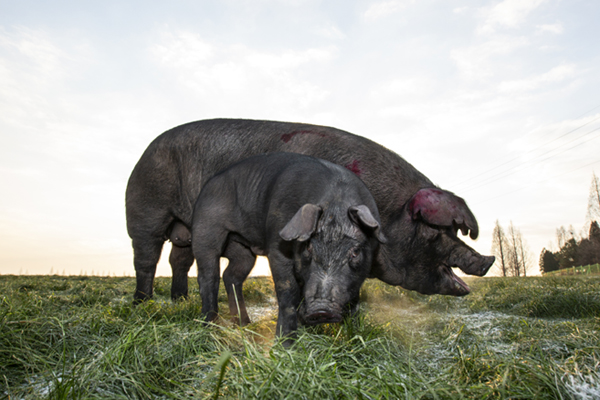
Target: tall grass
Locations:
point(80, 338)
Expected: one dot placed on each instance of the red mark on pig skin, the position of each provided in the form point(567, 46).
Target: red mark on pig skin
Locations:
point(354, 167)
point(286, 137)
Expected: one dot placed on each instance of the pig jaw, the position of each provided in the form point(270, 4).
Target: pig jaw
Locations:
point(451, 284)
point(322, 314)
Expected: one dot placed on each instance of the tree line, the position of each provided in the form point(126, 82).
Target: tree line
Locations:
point(510, 249)
point(574, 250)
point(512, 254)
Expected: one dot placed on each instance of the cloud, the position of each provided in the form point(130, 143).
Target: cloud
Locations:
point(330, 32)
point(477, 62)
point(385, 8)
point(247, 77)
point(182, 49)
point(508, 14)
point(30, 64)
point(32, 47)
point(556, 74)
point(556, 28)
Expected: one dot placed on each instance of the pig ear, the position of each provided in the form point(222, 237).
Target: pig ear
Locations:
point(361, 215)
point(303, 223)
point(442, 208)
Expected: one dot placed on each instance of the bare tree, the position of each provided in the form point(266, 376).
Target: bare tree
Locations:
point(523, 253)
point(514, 261)
point(572, 234)
point(561, 237)
point(593, 211)
point(499, 248)
point(512, 254)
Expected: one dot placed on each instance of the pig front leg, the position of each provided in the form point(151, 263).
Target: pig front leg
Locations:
point(241, 262)
point(288, 296)
point(208, 246)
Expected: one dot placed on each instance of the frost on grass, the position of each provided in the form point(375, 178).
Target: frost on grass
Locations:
point(489, 323)
point(41, 385)
point(262, 312)
point(584, 387)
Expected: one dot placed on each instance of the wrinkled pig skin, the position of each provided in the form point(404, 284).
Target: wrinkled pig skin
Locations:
point(168, 177)
point(315, 221)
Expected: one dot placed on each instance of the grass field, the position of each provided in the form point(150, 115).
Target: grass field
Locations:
point(582, 270)
point(80, 338)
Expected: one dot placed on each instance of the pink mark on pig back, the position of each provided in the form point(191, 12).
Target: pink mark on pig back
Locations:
point(286, 137)
point(354, 166)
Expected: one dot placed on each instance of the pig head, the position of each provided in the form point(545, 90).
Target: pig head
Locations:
point(333, 251)
point(430, 221)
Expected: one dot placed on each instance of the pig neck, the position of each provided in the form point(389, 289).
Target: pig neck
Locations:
point(390, 263)
point(382, 270)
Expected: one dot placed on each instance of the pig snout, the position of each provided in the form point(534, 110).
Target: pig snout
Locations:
point(488, 262)
point(322, 316)
point(322, 311)
point(322, 305)
point(471, 262)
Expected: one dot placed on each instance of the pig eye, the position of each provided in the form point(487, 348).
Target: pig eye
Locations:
point(355, 254)
point(308, 250)
point(430, 233)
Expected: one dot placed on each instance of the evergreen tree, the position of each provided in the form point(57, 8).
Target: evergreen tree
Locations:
point(548, 261)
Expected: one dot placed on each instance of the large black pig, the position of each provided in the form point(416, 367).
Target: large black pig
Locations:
point(420, 220)
point(315, 221)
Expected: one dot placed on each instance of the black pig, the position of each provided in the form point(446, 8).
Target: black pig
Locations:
point(315, 221)
point(419, 220)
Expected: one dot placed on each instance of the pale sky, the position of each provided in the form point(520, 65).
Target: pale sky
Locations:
point(497, 101)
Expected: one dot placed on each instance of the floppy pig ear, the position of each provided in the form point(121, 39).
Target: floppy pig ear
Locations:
point(361, 215)
point(303, 223)
point(442, 208)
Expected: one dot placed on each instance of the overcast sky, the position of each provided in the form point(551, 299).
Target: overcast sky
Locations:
point(497, 101)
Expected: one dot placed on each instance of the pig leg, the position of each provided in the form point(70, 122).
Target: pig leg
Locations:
point(241, 262)
point(147, 229)
point(145, 257)
point(207, 252)
point(209, 238)
point(181, 259)
point(288, 295)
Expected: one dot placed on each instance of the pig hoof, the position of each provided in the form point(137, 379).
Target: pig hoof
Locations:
point(177, 297)
point(240, 321)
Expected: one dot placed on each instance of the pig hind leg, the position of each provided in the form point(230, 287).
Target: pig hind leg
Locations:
point(147, 227)
point(241, 261)
point(146, 253)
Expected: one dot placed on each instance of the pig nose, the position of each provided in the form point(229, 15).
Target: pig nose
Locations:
point(489, 260)
point(323, 317)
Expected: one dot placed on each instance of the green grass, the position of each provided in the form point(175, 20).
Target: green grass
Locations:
point(582, 270)
point(80, 338)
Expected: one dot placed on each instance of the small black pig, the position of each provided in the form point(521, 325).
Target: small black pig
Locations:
point(315, 221)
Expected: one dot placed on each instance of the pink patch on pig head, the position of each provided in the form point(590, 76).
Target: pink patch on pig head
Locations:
point(354, 167)
point(286, 137)
point(442, 208)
